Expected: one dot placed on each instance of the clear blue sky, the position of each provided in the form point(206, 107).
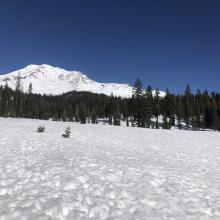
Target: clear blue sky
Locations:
point(165, 43)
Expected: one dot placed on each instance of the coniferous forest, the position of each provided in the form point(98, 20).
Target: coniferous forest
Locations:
point(145, 109)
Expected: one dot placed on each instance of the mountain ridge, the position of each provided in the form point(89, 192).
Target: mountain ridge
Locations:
point(47, 79)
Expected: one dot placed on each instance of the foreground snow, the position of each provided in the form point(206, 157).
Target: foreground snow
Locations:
point(106, 172)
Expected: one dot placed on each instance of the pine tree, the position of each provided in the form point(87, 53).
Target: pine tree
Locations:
point(215, 117)
point(156, 107)
point(138, 103)
point(67, 133)
point(110, 120)
point(82, 114)
point(116, 115)
point(207, 111)
point(179, 112)
point(76, 114)
point(127, 122)
point(137, 89)
point(18, 96)
point(18, 87)
point(94, 117)
point(30, 88)
point(197, 116)
point(199, 112)
point(165, 124)
point(169, 109)
point(148, 107)
point(188, 105)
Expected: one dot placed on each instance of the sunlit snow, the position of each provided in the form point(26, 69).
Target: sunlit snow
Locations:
point(107, 172)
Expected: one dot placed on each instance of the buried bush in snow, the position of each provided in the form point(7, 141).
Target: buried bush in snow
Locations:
point(67, 133)
point(41, 129)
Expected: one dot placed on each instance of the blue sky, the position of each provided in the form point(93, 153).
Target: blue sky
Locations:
point(164, 43)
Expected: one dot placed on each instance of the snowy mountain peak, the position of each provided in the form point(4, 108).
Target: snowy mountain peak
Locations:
point(47, 79)
point(46, 71)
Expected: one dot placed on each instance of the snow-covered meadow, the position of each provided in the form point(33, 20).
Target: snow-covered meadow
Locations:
point(107, 172)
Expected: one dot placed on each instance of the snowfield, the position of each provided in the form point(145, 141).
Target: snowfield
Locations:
point(107, 172)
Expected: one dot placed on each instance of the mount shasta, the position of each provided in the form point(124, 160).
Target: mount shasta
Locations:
point(46, 79)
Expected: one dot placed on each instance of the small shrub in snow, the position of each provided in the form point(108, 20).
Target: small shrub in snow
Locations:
point(41, 129)
point(67, 133)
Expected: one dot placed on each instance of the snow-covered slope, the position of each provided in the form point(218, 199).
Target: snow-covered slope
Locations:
point(46, 79)
point(106, 172)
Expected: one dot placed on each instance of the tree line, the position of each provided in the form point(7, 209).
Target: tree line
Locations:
point(146, 108)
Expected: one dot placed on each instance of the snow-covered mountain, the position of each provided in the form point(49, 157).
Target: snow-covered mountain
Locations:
point(47, 79)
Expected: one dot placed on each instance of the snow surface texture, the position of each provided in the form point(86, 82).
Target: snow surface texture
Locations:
point(53, 80)
point(107, 172)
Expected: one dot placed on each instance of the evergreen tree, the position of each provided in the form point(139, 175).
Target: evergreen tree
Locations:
point(165, 124)
point(18, 96)
point(188, 106)
point(18, 87)
point(138, 103)
point(137, 89)
point(30, 88)
point(169, 108)
point(199, 112)
point(215, 118)
point(148, 107)
point(179, 112)
point(82, 114)
point(156, 107)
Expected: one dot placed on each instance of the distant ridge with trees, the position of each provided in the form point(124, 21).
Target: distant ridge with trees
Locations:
point(144, 109)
